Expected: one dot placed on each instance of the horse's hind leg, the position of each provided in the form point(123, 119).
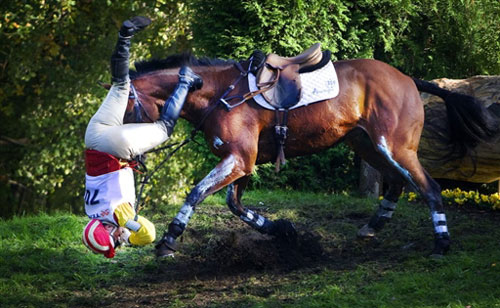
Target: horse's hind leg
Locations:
point(406, 163)
point(431, 193)
point(280, 228)
point(385, 210)
point(398, 169)
point(359, 141)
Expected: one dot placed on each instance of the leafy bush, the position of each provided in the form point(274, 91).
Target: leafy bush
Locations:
point(335, 170)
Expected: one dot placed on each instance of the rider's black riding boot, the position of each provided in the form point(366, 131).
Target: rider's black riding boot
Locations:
point(120, 57)
point(188, 80)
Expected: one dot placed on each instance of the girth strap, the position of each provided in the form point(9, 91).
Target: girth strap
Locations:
point(281, 133)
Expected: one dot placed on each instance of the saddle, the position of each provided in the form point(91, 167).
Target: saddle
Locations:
point(278, 80)
point(281, 75)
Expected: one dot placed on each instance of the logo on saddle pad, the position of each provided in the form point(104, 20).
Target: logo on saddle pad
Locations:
point(318, 85)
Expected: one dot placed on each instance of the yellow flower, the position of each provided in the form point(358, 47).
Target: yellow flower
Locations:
point(494, 198)
point(412, 196)
point(447, 193)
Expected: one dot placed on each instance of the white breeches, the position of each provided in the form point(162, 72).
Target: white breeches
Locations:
point(107, 133)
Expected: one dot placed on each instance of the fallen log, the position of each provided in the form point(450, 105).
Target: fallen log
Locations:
point(484, 165)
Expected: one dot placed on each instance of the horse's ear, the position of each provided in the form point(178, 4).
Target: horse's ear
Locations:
point(106, 86)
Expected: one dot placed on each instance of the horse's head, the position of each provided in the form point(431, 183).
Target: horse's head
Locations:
point(155, 80)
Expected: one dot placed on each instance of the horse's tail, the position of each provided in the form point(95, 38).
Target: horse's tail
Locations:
point(469, 121)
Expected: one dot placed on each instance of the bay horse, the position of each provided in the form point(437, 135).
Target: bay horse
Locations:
point(378, 113)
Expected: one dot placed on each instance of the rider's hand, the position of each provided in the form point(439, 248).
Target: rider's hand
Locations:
point(124, 234)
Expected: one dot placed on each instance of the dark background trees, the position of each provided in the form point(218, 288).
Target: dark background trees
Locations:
point(54, 52)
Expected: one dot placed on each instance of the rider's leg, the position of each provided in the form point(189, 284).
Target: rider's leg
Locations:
point(188, 80)
point(129, 140)
point(111, 111)
point(120, 57)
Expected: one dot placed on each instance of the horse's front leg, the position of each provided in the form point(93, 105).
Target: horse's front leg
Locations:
point(281, 228)
point(227, 171)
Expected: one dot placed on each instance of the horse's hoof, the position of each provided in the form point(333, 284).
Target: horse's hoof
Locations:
point(164, 252)
point(286, 230)
point(441, 247)
point(166, 247)
point(366, 232)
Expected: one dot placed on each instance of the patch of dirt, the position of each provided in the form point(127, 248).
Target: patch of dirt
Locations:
point(240, 249)
point(222, 264)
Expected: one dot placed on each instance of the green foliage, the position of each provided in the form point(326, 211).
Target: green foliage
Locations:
point(334, 170)
point(447, 38)
point(235, 28)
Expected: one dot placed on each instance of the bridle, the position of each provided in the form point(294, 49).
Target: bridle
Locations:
point(266, 86)
point(138, 106)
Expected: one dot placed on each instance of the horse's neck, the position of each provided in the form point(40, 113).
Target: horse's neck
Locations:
point(200, 103)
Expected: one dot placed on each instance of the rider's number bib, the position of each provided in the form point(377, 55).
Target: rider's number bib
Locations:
point(105, 192)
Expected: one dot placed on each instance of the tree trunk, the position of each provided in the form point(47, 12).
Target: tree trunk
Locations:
point(370, 181)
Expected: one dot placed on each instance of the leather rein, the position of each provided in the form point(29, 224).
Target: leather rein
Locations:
point(265, 86)
point(138, 106)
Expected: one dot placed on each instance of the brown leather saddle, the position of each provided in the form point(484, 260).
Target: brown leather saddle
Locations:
point(278, 80)
point(280, 76)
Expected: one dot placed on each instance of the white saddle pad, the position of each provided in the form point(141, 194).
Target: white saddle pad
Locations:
point(317, 85)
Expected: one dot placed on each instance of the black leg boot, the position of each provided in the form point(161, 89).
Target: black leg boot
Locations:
point(188, 81)
point(120, 57)
point(167, 246)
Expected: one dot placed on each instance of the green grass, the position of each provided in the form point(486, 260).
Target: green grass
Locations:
point(44, 264)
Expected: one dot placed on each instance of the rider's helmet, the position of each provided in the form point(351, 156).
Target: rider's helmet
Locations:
point(98, 239)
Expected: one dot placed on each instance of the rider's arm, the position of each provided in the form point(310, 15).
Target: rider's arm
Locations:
point(142, 231)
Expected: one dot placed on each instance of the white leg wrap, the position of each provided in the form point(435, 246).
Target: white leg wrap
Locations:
point(386, 208)
point(439, 222)
point(253, 219)
point(185, 214)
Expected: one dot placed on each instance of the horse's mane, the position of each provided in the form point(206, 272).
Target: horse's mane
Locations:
point(177, 60)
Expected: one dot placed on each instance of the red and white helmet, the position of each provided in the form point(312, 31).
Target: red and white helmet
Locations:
point(97, 238)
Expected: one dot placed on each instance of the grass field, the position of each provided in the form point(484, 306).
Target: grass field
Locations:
point(223, 263)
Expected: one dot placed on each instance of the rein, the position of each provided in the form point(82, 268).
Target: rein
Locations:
point(265, 86)
point(138, 106)
point(146, 178)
